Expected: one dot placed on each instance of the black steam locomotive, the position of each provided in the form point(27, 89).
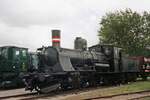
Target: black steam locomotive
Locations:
point(58, 67)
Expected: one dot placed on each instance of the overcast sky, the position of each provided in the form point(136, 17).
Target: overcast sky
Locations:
point(28, 23)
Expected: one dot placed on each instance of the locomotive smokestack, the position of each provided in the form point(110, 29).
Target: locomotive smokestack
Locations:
point(56, 38)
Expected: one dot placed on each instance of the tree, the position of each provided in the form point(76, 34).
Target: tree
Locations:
point(126, 29)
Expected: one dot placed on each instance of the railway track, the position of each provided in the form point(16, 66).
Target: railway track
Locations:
point(17, 96)
point(130, 96)
point(35, 95)
point(61, 94)
point(140, 94)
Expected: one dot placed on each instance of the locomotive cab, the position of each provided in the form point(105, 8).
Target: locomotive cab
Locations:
point(112, 55)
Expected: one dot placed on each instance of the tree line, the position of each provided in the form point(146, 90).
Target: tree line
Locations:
point(126, 29)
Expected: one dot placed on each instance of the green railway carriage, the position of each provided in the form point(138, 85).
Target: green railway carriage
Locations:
point(14, 62)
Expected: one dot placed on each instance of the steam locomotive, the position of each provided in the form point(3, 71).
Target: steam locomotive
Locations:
point(63, 68)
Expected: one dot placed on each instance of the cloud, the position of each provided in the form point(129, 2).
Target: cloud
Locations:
point(49, 12)
point(33, 12)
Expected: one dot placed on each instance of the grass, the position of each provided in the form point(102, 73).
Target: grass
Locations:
point(129, 88)
point(146, 98)
point(132, 87)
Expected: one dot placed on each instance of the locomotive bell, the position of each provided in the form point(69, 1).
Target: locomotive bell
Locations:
point(56, 38)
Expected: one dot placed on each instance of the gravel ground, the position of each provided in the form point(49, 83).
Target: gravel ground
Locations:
point(13, 92)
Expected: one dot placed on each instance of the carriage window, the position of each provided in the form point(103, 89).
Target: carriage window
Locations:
point(0, 51)
point(24, 53)
point(4, 53)
point(16, 54)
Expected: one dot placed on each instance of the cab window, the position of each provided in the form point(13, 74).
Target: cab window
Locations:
point(34, 61)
